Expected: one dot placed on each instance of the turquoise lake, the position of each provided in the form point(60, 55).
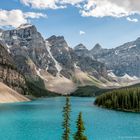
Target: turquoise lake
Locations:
point(41, 120)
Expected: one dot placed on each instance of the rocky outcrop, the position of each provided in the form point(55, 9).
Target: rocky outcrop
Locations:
point(9, 73)
point(92, 67)
point(88, 63)
point(31, 53)
point(63, 55)
point(79, 56)
point(81, 50)
point(27, 47)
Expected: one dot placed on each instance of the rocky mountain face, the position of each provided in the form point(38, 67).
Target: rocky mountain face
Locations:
point(81, 50)
point(122, 60)
point(57, 64)
point(68, 58)
point(27, 47)
point(9, 73)
point(88, 63)
point(62, 55)
point(31, 52)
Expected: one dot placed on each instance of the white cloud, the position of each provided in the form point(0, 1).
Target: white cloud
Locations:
point(42, 4)
point(82, 33)
point(34, 15)
point(72, 2)
point(50, 4)
point(113, 8)
point(94, 8)
point(16, 17)
point(132, 19)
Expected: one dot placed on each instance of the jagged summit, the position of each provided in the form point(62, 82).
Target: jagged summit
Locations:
point(55, 37)
point(81, 50)
point(80, 47)
point(57, 41)
point(97, 47)
point(26, 25)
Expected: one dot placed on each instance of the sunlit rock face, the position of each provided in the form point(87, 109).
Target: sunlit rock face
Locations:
point(53, 57)
point(122, 60)
point(28, 48)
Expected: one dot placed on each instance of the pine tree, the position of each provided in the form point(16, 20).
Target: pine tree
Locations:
point(80, 129)
point(66, 121)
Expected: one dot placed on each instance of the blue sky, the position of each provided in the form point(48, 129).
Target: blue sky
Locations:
point(109, 31)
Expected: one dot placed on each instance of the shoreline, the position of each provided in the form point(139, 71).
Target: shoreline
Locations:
point(118, 109)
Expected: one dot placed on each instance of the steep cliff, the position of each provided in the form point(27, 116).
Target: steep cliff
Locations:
point(9, 73)
point(55, 63)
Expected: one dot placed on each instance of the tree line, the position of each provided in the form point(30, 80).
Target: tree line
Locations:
point(127, 99)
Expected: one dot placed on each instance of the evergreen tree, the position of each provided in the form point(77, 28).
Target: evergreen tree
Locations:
point(80, 129)
point(66, 121)
point(126, 99)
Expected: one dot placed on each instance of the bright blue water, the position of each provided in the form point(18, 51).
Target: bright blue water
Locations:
point(41, 120)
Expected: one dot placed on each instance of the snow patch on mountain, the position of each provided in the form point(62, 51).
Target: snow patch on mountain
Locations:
point(57, 65)
point(116, 52)
point(38, 71)
point(132, 46)
point(8, 48)
point(111, 74)
point(75, 66)
point(15, 37)
point(126, 76)
point(25, 47)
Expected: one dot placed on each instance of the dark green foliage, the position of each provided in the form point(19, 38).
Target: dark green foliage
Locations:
point(66, 121)
point(36, 88)
point(127, 99)
point(80, 129)
point(92, 91)
point(89, 91)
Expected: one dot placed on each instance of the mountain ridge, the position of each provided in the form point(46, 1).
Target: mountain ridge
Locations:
point(54, 61)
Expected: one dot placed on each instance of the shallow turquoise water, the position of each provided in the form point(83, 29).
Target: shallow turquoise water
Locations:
point(41, 120)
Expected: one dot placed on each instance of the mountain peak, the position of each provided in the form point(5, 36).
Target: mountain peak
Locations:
point(54, 37)
point(58, 41)
point(80, 47)
point(26, 25)
point(97, 47)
